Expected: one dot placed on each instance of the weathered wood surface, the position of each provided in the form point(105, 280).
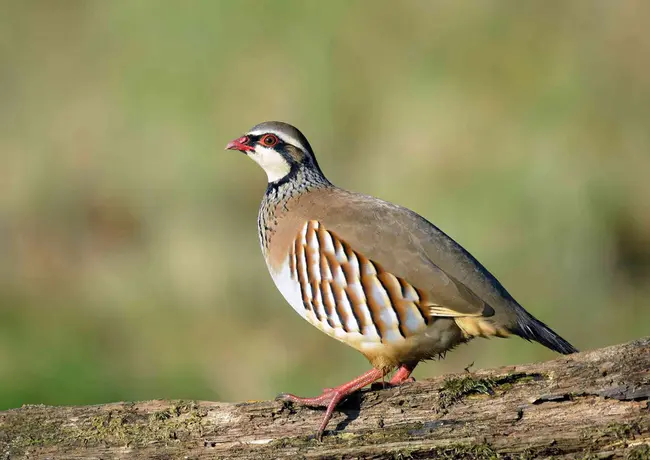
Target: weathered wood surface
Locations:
point(590, 405)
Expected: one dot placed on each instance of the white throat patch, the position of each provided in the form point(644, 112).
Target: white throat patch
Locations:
point(274, 164)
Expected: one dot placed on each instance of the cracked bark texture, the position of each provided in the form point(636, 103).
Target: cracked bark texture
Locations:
point(593, 404)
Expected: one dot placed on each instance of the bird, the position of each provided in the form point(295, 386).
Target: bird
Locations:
point(372, 274)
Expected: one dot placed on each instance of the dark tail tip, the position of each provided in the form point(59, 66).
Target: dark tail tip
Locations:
point(531, 328)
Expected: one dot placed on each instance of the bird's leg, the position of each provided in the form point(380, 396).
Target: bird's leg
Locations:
point(403, 375)
point(331, 397)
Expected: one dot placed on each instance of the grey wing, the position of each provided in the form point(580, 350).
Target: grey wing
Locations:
point(397, 239)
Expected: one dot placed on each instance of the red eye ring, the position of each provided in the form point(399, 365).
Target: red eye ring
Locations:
point(269, 140)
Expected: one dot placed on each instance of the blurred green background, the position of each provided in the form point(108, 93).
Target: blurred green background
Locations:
point(129, 258)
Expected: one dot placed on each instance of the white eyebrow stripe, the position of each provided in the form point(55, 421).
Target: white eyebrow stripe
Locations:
point(285, 137)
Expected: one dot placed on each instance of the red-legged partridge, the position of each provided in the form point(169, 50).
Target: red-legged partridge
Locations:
point(372, 274)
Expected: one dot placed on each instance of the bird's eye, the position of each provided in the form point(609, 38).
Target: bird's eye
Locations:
point(269, 140)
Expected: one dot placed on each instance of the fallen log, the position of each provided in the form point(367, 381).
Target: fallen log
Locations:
point(593, 404)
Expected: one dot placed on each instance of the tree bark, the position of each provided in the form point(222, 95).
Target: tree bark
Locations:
point(590, 405)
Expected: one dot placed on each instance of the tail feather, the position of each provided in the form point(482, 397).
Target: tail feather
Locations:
point(530, 328)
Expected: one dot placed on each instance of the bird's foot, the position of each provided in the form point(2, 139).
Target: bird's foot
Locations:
point(318, 401)
point(331, 397)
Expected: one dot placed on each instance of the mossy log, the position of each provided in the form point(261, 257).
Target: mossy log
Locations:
point(590, 405)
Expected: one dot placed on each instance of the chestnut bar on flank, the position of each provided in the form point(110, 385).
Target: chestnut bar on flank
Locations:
point(372, 274)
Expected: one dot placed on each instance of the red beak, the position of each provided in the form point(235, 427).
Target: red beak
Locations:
point(239, 144)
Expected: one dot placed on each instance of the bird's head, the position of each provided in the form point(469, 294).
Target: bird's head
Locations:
point(279, 148)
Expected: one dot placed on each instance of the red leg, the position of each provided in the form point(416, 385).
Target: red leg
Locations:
point(403, 375)
point(332, 397)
